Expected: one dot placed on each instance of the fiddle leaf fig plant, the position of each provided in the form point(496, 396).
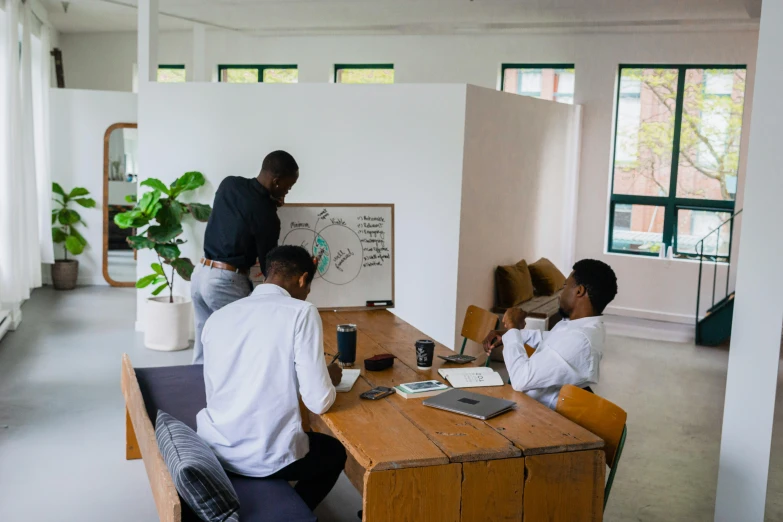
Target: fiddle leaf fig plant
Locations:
point(65, 219)
point(157, 218)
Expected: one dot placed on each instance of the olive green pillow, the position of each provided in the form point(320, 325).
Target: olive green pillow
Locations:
point(547, 279)
point(514, 285)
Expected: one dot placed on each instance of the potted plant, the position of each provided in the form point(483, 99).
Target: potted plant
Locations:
point(167, 322)
point(64, 220)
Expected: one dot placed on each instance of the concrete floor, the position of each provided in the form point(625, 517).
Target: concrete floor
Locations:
point(62, 420)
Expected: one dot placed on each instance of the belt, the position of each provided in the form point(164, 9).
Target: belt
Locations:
point(223, 266)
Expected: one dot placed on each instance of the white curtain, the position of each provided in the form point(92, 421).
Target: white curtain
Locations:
point(41, 73)
point(22, 200)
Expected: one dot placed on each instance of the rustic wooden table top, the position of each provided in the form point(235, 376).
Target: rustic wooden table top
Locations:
point(395, 433)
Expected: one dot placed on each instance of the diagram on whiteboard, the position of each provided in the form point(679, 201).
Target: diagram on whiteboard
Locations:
point(354, 248)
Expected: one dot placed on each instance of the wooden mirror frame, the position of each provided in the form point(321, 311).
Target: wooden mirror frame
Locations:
point(108, 279)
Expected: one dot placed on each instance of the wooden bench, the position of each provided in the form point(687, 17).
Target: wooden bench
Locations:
point(179, 391)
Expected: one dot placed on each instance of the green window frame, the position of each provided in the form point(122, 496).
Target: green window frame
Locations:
point(175, 67)
point(558, 67)
point(340, 66)
point(259, 68)
point(671, 203)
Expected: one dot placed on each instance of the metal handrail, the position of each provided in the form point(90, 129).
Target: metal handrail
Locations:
point(714, 259)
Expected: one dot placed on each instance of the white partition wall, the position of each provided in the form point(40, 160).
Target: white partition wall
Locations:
point(78, 121)
point(519, 189)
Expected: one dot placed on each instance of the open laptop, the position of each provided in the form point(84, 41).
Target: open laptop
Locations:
point(470, 404)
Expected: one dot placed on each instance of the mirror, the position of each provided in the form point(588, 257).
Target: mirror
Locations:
point(120, 172)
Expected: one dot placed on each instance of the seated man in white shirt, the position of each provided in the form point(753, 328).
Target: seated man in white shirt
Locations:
point(571, 352)
point(258, 352)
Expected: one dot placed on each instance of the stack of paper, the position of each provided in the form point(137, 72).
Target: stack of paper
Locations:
point(471, 377)
point(349, 379)
point(418, 390)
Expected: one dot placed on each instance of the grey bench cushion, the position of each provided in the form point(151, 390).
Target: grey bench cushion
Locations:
point(179, 391)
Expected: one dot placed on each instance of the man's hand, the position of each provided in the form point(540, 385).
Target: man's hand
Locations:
point(335, 373)
point(492, 341)
point(514, 319)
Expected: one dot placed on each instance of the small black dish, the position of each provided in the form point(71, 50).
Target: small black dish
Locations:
point(379, 362)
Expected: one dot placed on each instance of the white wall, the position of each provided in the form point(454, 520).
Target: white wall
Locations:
point(79, 120)
point(400, 144)
point(515, 184)
point(665, 290)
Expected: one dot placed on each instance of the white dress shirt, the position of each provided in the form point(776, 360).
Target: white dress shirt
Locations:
point(257, 352)
point(568, 354)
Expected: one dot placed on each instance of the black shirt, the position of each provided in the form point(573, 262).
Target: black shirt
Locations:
point(243, 225)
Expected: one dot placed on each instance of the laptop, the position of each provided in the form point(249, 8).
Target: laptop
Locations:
point(471, 404)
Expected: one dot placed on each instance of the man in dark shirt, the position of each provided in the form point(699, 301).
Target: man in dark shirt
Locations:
point(243, 227)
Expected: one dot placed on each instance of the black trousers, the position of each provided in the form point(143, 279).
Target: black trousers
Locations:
point(318, 471)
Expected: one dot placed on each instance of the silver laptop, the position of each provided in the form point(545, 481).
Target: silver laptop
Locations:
point(471, 404)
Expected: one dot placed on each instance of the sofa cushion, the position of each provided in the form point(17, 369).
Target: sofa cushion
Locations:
point(513, 284)
point(179, 391)
point(198, 476)
point(547, 279)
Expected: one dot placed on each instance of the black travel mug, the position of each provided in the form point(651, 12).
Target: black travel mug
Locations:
point(425, 352)
point(346, 344)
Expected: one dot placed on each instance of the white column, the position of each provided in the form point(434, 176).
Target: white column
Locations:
point(200, 54)
point(758, 313)
point(148, 41)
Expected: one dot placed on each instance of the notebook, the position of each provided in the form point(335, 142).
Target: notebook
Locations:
point(418, 390)
point(348, 380)
point(471, 377)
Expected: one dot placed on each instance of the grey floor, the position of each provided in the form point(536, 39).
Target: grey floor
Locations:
point(62, 420)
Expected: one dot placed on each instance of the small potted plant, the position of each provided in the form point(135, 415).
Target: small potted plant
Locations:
point(167, 324)
point(64, 220)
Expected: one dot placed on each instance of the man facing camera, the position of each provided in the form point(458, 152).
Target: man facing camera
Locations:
point(571, 352)
point(260, 353)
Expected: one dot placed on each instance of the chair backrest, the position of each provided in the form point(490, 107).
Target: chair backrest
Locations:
point(596, 415)
point(478, 323)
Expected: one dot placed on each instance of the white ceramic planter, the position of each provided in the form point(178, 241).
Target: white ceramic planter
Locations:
point(167, 326)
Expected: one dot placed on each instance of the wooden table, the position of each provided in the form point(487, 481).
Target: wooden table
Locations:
point(414, 463)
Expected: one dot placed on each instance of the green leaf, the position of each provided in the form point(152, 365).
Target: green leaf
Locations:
point(170, 213)
point(188, 181)
point(184, 267)
point(86, 202)
point(146, 281)
point(78, 191)
point(54, 217)
point(74, 245)
point(157, 268)
point(131, 219)
point(200, 211)
point(58, 236)
point(148, 203)
point(160, 289)
point(68, 217)
point(57, 189)
point(164, 234)
point(75, 233)
point(155, 184)
point(168, 252)
point(130, 198)
point(140, 242)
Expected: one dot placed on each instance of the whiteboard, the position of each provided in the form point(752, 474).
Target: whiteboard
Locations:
point(356, 248)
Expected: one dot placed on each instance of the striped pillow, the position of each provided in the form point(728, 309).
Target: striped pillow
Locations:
point(198, 476)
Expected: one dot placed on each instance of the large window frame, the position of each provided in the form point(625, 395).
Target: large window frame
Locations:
point(535, 67)
point(260, 68)
point(671, 204)
point(339, 66)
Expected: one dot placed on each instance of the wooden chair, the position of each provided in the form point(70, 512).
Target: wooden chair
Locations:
point(477, 324)
point(599, 416)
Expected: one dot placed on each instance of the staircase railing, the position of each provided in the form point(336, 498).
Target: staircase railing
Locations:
point(715, 258)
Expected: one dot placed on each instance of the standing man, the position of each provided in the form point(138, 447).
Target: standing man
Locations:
point(243, 227)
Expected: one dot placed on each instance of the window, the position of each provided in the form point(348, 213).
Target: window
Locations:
point(548, 82)
point(171, 73)
point(364, 73)
point(676, 156)
point(258, 73)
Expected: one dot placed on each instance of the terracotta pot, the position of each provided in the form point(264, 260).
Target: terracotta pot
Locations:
point(64, 274)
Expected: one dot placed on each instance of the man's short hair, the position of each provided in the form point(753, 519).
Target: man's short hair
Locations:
point(280, 164)
point(599, 281)
point(290, 261)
